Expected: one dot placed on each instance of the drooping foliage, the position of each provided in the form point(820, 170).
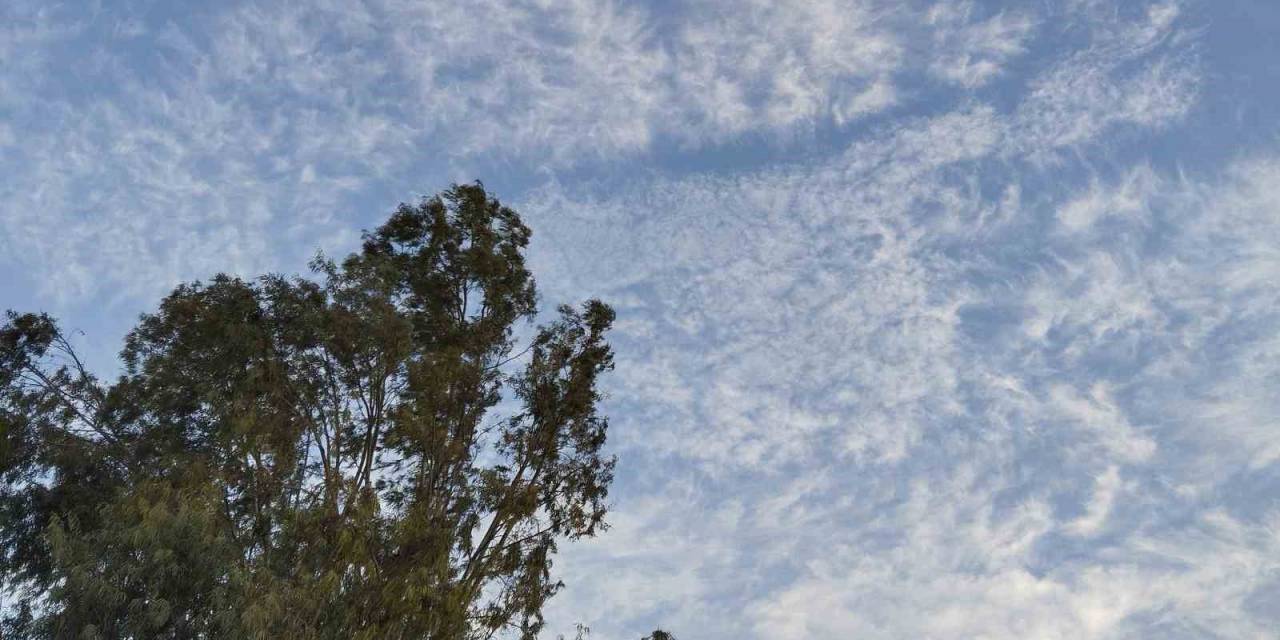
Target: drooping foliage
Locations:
point(365, 454)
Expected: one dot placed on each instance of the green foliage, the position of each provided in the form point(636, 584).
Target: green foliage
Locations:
point(659, 634)
point(306, 458)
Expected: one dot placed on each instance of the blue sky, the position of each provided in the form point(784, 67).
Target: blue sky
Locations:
point(948, 319)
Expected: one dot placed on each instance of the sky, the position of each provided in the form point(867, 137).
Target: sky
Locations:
point(952, 319)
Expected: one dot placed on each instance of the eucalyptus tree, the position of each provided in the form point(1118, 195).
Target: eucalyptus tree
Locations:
point(375, 451)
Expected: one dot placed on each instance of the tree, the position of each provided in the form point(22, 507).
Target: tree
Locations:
point(584, 633)
point(289, 457)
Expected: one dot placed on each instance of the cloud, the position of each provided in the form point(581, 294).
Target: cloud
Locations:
point(262, 120)
point(269, 120)
point(1142, 72)
point(971, 52)
point(1128, 200)
point(1030, 431)
point(575, 81)
point(850, 255)
point(759, 273)
point(763, 66)
point(1104, 496)
point(190, 167)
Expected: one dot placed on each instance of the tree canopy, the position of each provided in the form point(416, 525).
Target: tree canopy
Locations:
point(365, 453)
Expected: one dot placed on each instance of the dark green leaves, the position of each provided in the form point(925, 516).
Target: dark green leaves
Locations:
point(316, 459)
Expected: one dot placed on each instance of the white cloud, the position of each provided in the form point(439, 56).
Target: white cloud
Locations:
point(1106, 486)
point(564, 84)
point(1098, 414)
point(819, 314)
point(1128, 199)
point(203, 146)
point(1142, 72)
point(1021, 474)
point(769, 65)
point(1197, 579)
point(971, 52)
point(573, 81)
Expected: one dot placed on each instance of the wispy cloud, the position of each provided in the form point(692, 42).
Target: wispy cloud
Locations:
point(970, 51)
point(988, 364)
